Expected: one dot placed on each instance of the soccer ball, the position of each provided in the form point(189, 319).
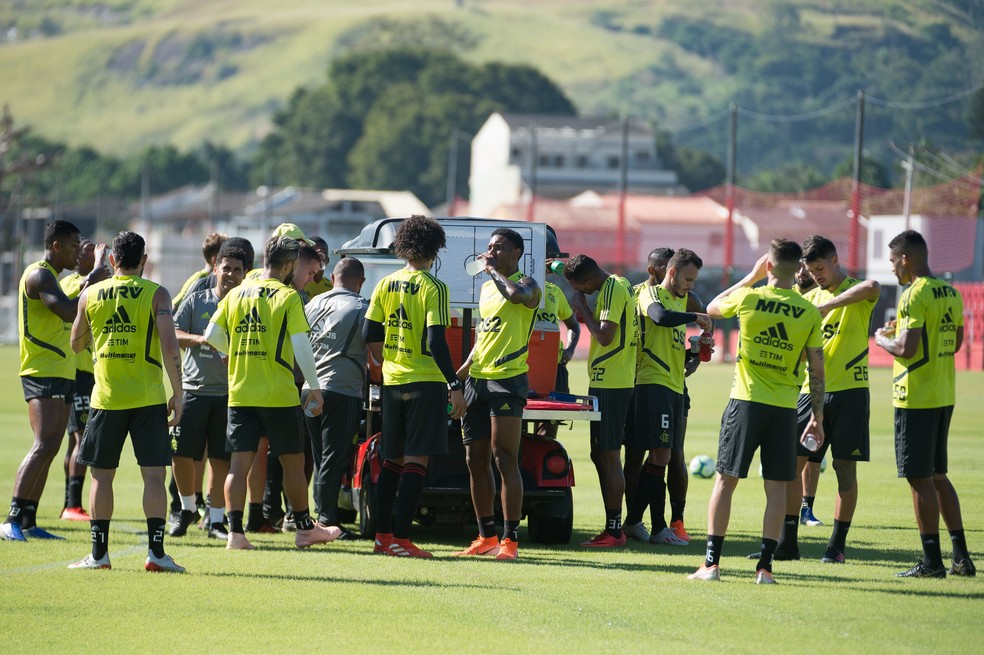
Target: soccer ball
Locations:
point(702, 466)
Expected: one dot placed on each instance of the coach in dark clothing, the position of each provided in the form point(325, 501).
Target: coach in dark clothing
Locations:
point(336, 319)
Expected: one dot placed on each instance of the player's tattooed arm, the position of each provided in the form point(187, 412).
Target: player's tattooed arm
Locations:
point(42, 285)
point(525, 291)
point(814, 357)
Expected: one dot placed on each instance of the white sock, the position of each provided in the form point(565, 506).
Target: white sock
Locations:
point(188, 503)
point(216, 514)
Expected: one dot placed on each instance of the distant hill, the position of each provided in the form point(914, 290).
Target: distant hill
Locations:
point(121, 74)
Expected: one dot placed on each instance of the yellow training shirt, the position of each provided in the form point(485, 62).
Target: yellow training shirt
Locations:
point(555, 309)
point(775, 326)
point(613, 366)
point(928, 378)
point(407, 302)
point(45, 339)
point(127, 349)
point(71, 284)
point(503, 335)
point(845, 339)
point(260, 318)
point(661, 350)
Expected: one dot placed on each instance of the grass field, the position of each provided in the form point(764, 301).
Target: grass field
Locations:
point(554, 599)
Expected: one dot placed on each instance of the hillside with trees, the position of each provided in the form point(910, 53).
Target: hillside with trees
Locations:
point(328, 93)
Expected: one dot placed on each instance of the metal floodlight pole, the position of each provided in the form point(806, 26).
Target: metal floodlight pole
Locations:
point(452, 188)
point(855, 233)
point(530, 208)
point(623, 187)
point(909, 165)
point(729, 227)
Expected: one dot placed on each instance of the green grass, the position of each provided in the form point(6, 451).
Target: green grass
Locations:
point(555, 599)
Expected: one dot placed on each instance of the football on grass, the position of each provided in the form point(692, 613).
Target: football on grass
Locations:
point(702, 466)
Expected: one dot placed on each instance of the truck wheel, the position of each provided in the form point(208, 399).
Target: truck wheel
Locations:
point(553, 522)
point(367, 509)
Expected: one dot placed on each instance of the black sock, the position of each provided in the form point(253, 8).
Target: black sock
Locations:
point(767, 552)
point(932, 556)
point(411, 486)
point(613, 522)
point(645, 491)
point(74, 491)
point(511, 530)
point(256, 517)
point(959, 545)
point(486, 526)
point(714, 546)
point(838, 538)
point(657, 502)
point(155, 536)
point(100, 537)
point(199, 500)
point(676, 510)
point(16, 513)
point(789, 537)
point(66, 492)
point(386, 487)
point(236, 519)
point(172, 489)
point(808, 501)
point(302, 519)
point(29, 514)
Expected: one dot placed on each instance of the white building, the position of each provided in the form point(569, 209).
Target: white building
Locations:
point(514, 155)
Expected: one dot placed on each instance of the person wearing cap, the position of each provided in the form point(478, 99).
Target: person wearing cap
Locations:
point(320, 284)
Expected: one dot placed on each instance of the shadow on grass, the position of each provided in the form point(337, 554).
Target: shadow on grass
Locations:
point(296, 577)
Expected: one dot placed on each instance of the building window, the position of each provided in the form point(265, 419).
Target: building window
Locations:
point(643, 157)
point(544, 161)
point(515, 154)
point(581, 161)
point(613, 161)
point(559, 161)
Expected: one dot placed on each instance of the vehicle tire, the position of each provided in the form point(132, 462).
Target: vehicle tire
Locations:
point(367, 508)
point(553, 523)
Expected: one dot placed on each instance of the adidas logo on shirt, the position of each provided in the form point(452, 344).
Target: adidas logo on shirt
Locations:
point(776, 336)
point(119, 322)
point(251, 322)
point(857, 452)
point(948, 324)
point(399, 319)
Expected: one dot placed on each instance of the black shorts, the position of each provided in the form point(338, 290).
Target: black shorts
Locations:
point(614, 405)
point(203, 423)
point(488, 398)
point(563, 383)
point(106, 430)
point(56, 388)
point(845, 425)
point(921, 437)
point(745, 426)
point(283, 426)
point(686, 401)
point(659, 419)
point(78, 413)
point(415, 419)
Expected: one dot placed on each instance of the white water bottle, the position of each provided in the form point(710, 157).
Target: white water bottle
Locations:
point(475, 267)
point(811, 443)
point(309, 408)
